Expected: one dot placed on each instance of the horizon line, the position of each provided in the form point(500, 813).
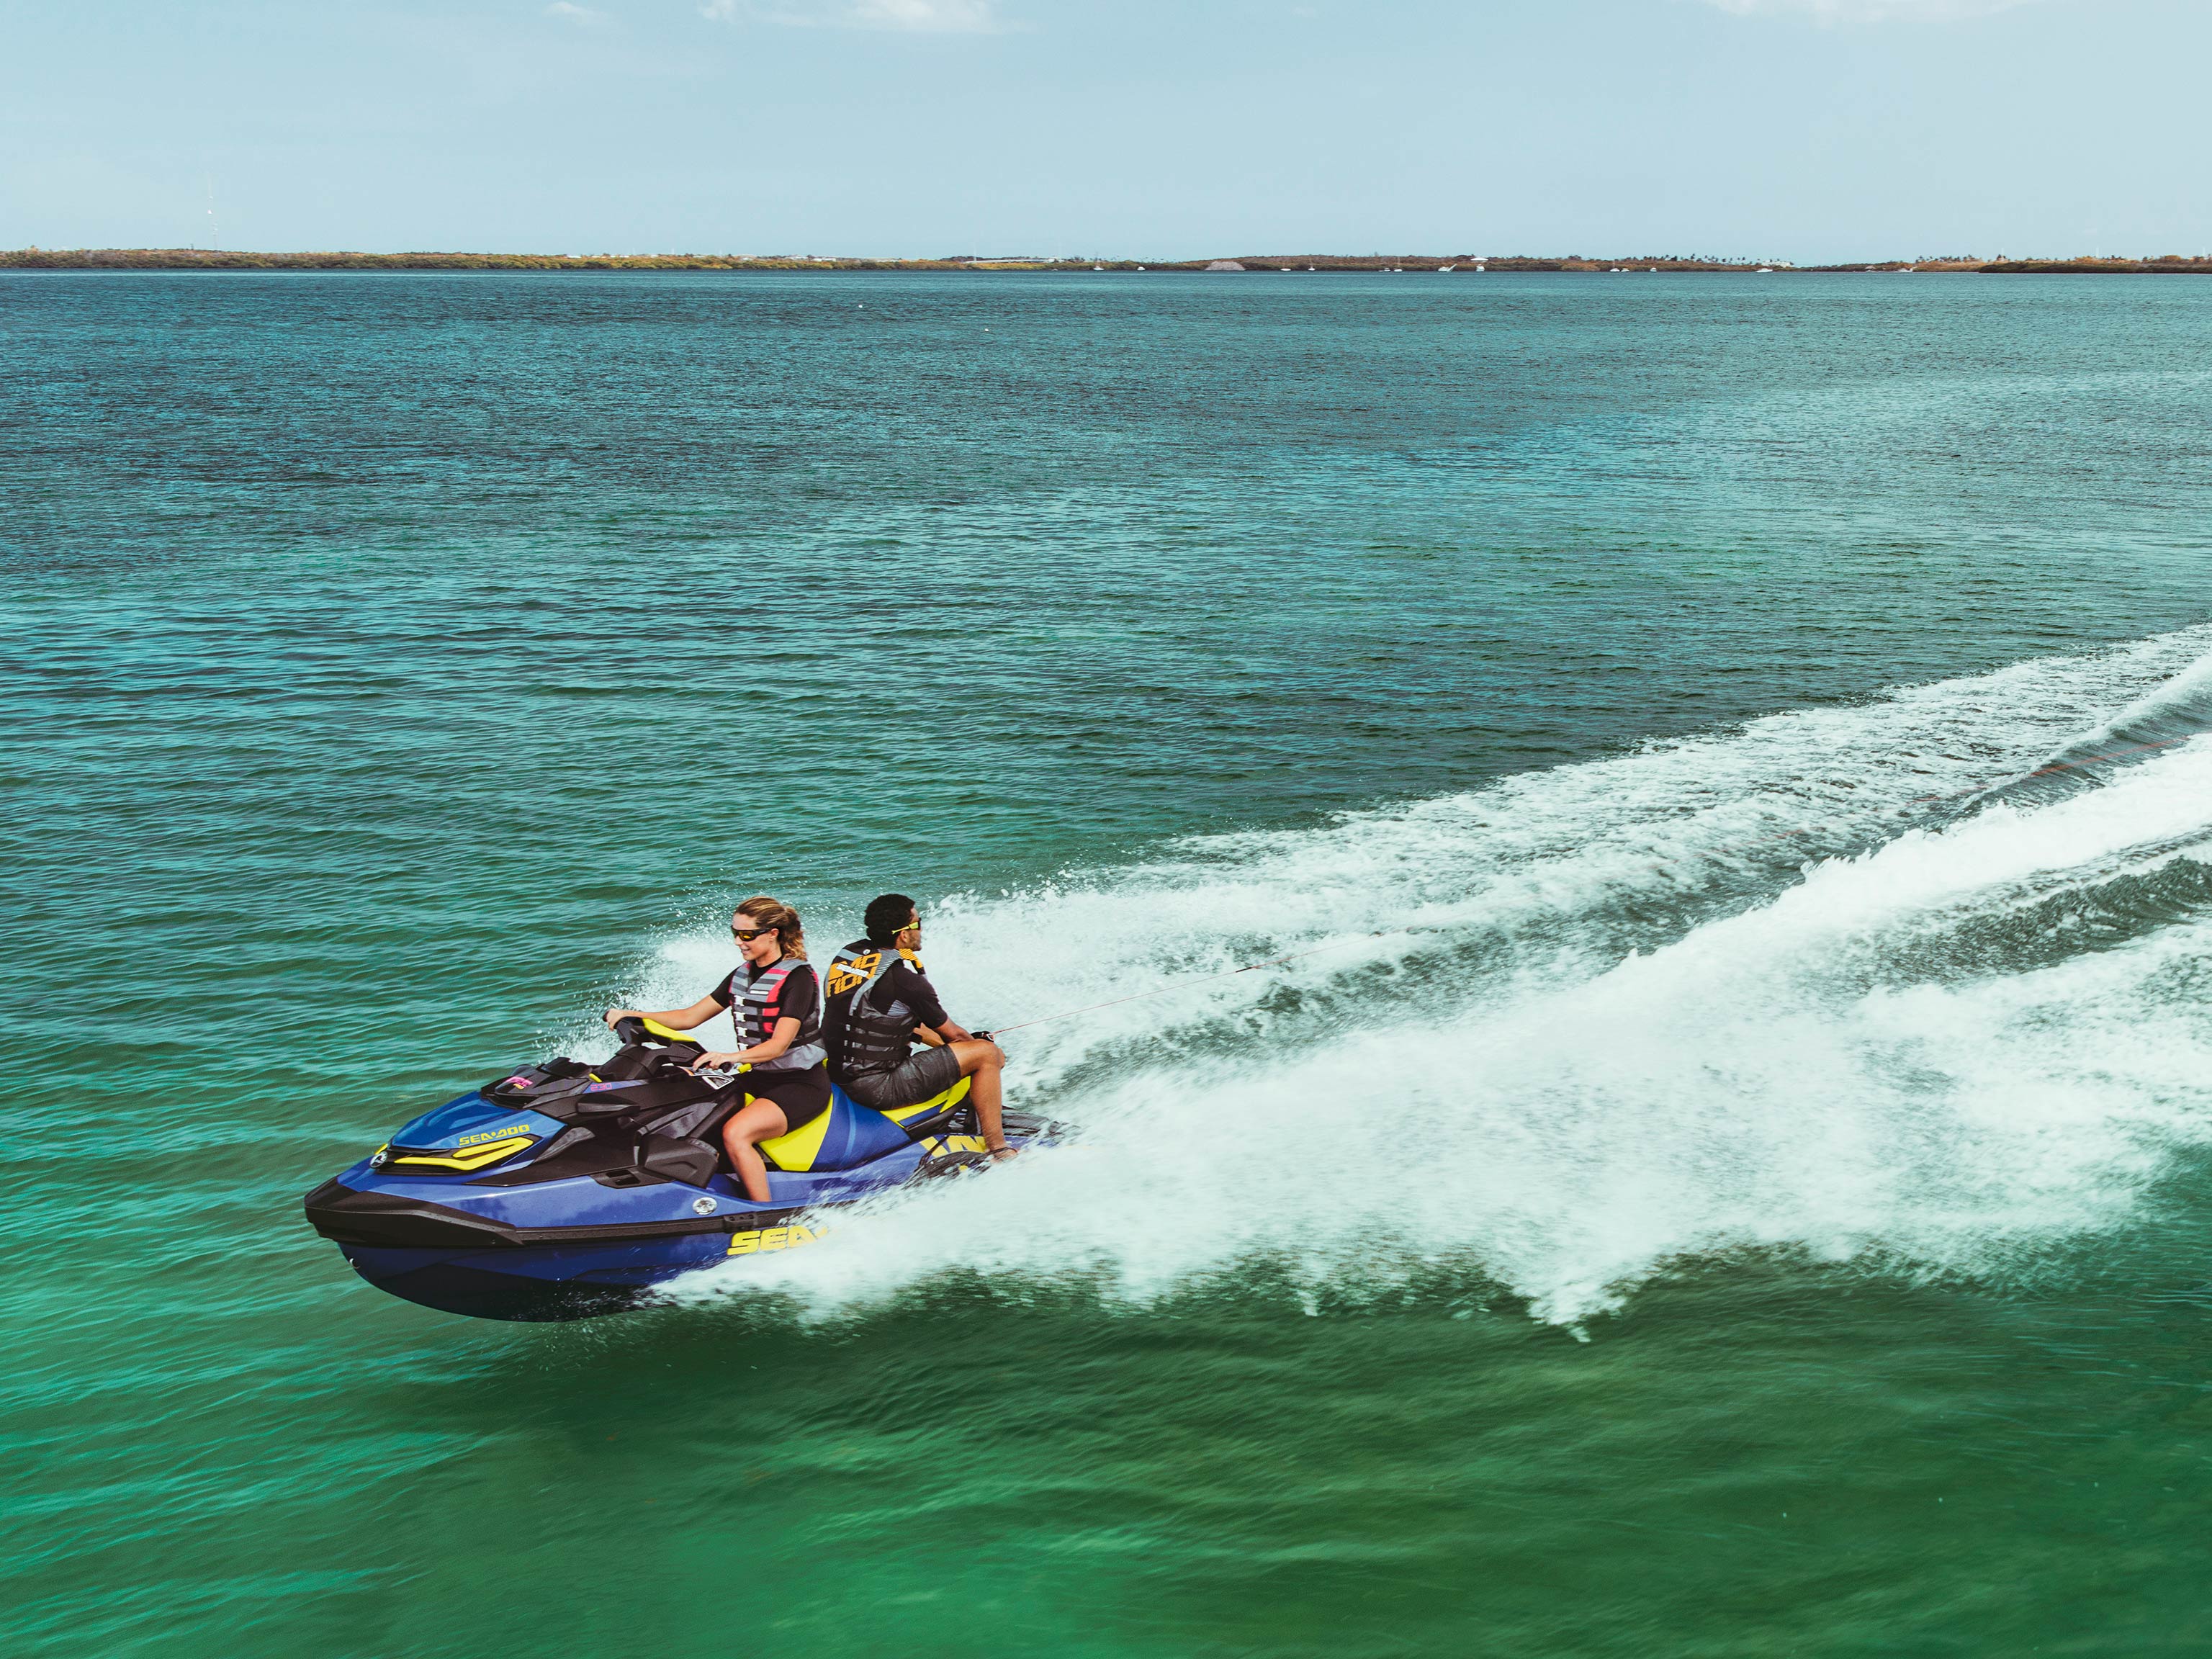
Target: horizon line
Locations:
point(35, 258)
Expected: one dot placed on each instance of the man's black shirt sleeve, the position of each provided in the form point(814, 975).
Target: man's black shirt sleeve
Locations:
point(904, 984)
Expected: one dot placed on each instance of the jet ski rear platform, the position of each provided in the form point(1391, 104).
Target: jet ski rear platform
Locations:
point(569, 1190)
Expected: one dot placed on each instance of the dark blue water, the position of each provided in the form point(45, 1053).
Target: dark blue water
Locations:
point(1660, 1240)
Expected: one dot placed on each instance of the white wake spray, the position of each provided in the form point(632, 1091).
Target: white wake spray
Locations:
point(1624, 1030)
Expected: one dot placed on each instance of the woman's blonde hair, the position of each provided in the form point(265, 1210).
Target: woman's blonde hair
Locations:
point(774, 913)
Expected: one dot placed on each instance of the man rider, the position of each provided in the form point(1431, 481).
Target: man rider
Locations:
point(879, 1000)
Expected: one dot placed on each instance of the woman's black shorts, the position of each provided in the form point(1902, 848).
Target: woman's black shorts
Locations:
point(803, 1094)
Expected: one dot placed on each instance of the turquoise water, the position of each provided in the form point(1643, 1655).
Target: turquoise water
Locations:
point(1751, 1197)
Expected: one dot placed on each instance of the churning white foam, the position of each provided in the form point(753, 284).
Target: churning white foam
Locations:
point(1623, 1028)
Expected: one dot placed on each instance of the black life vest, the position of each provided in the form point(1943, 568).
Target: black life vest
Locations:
point(869, 1038)
point(759, 1007)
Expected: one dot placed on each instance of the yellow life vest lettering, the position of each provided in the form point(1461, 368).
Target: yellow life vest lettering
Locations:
point(845, 975)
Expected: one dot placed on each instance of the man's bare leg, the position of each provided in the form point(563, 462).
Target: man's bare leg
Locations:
point(980, 1063)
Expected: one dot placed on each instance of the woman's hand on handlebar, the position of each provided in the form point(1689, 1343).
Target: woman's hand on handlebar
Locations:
point(616, 1015)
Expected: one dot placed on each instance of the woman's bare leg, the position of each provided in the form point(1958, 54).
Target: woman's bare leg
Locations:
point(761, 1120)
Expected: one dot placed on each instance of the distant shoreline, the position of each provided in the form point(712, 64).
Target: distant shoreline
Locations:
point(210, 259)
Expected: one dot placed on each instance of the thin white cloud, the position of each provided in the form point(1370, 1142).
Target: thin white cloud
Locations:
point(927, 16)
point(1867, 11)
point(902, 16)
point(582, 16)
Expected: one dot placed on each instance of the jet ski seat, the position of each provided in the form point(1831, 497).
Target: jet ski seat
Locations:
point(849, 1134)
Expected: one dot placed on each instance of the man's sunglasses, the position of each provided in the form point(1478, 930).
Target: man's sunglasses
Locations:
point(747, 935)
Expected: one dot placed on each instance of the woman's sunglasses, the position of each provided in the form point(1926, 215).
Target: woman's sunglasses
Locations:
point(747, 935)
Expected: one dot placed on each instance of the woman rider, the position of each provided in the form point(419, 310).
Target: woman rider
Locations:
point(778, 997)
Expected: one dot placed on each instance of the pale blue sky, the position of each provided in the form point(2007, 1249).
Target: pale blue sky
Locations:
point(1802, 129)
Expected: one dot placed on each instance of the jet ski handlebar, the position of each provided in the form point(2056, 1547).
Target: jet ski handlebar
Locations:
point(636, 1028)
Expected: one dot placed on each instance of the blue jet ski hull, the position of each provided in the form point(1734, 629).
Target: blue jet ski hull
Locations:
point(540, 1286)
point(547, 1282)
point(559, 1194)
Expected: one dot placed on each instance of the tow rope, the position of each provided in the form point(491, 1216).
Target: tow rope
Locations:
point(2050, 770)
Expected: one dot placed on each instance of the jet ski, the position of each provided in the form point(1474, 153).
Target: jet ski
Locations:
point(568, 1190)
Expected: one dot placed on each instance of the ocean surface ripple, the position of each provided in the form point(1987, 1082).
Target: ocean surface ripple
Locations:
point(1723, 1166)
